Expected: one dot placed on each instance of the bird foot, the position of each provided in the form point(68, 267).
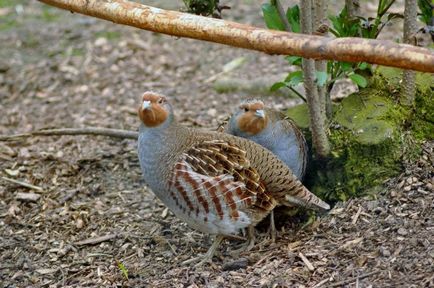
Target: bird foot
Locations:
point(207, 257)
point(247, 246)
point(202, 259)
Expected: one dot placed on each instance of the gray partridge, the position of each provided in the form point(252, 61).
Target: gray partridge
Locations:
point(273, 130)
point(215, 182)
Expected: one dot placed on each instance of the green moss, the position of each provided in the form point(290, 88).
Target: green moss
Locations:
point(419, 118)
point(367, 115)
point(370, 134)
point(354, 168)
point(367, 145)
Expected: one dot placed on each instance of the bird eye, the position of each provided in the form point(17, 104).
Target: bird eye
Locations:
point(246, 109)
point(160, 101)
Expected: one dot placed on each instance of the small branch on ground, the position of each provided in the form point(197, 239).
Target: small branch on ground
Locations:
point(306, 262)
point(24, 184)
point(96, 131)
point(348, 281)
point(96, 240)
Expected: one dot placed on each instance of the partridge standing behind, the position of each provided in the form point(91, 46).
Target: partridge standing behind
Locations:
point(216, 182)
point(274, 131)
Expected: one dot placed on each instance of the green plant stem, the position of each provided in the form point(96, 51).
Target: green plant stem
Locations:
point(296, 92)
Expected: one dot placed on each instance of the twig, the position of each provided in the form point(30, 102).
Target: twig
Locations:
point(344, 282)
point(356, 216)
point(99, 254)
point(322, 282)
point(306, 262)
point(96, 240)
point(350, 243)
point(97, 131)
point(24, 184)
point(29, 197)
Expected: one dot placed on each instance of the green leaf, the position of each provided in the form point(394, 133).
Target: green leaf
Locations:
point(271, 17)
point(426, 9)
point(358, 79)
point(344, 26)
point(276, 86)
point(293, 60)
point(293, 16)
point(363, 65)
point(123, 269)
point(294, 78)
point(346, 66)
point(321, 78)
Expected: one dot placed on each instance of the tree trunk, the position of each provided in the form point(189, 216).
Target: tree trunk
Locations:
point(240, 35)
point(408, 88)
point(316, 113)
point(320, 19)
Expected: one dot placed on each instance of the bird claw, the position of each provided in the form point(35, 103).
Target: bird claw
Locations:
point(247, 246)
point(200, 259)
point(207, 257)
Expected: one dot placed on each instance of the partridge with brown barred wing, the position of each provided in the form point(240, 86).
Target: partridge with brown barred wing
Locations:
point(216, 182)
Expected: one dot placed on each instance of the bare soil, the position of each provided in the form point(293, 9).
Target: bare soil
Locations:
point(94, 223)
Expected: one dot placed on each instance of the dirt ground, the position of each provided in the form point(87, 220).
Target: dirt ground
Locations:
point(93, 223)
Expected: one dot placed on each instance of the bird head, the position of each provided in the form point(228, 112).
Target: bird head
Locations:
point(154, 109)
point(251, 118)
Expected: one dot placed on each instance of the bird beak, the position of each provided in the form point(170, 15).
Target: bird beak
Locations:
point(260, 113)
point(146, 105)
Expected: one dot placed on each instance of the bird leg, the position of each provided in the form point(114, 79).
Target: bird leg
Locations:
point(273, 232)
point(247, 246)
point(207, 257)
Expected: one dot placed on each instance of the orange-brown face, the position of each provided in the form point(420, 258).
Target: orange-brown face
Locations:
point(253, 118)
point(152, 111)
